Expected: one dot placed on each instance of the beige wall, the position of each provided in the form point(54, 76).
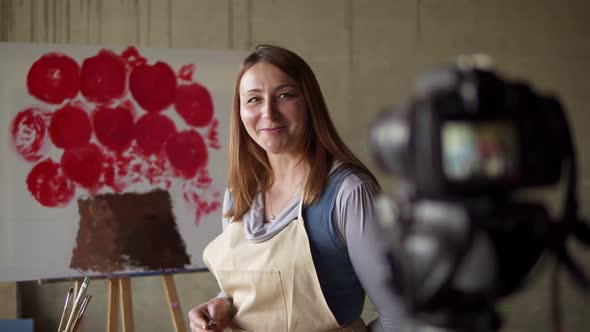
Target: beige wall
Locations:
point(8, 305)
point(366, 54)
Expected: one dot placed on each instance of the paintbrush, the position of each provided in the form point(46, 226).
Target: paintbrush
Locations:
point(63, 314)
point(79, 299)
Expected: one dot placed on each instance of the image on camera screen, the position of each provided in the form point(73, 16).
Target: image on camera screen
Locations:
point(479, 151)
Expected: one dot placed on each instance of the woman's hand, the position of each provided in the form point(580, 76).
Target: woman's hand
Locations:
point(214, 315)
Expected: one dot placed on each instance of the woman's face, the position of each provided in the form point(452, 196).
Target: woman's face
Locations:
point(273, 109)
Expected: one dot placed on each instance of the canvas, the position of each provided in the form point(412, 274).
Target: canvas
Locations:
point(113, 158)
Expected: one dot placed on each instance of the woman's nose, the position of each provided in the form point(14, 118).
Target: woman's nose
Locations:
point(269, 109)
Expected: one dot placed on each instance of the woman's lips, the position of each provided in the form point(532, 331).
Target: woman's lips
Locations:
point(272, 130)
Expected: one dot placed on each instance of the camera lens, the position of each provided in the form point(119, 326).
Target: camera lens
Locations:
point(389, 139)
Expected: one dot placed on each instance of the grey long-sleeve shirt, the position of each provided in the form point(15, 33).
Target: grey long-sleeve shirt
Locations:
point(356, 225)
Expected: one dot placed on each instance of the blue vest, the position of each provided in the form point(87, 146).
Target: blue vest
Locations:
point(340, 285)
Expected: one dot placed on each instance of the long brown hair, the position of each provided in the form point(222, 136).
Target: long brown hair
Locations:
point(249, 168)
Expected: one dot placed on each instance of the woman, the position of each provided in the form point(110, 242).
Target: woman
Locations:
point(299, 247)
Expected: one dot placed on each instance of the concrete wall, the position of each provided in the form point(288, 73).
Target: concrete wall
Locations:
point(8, 307)
point(366, 54)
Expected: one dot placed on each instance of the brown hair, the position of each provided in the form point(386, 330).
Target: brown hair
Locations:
point(249, 169)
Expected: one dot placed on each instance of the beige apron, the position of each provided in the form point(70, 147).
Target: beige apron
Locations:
point(273, 284)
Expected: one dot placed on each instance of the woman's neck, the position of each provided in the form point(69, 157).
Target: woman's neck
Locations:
point(288, 171)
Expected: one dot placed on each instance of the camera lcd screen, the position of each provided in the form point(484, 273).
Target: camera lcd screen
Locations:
point(479, 151)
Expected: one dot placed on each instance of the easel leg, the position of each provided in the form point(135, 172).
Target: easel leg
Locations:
point(113, 308)
point(120, 290)
point(173, 303)
point(126, 304)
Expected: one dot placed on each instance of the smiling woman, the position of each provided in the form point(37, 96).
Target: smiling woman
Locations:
point(300, 246)
point(272, 109)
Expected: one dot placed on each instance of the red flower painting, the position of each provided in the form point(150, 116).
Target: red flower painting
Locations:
point(114, 118)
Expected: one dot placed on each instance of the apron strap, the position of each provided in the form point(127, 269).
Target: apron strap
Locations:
point(300, 208)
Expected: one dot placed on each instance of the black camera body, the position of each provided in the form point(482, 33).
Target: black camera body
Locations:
point(459, 240)
point(469, 132)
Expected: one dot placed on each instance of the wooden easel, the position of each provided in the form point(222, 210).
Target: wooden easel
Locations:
point(120, 289)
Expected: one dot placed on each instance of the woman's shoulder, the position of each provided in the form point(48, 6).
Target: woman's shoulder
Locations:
point(228, 200)
point(227, 195)
point(354, 178)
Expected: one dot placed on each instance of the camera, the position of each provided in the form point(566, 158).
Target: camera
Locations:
point(460, 238)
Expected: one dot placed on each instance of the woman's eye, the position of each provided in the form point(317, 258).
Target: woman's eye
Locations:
point(285, 95)
point(252, 100)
